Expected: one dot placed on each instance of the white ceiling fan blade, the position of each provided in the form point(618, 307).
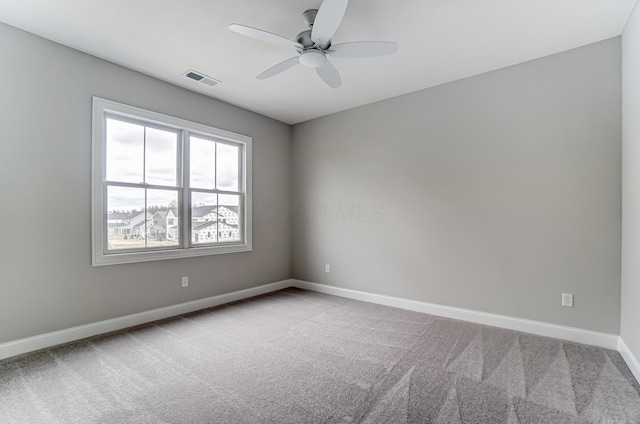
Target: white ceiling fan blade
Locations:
point(363, 49)
point(328, 20)
point(265, 36)
point(280, 67)
point(329, 74)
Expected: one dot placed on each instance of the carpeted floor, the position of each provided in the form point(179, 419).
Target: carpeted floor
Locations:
point(295, 356)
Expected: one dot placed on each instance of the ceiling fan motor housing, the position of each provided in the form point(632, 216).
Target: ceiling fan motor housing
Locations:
point(304, 38)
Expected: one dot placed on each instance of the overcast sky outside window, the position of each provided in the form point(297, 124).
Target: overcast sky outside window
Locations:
point(126, 162)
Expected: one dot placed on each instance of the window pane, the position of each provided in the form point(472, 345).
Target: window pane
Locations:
point(228, 218)
point(204, 218)
point(162, 157)
point(163, 227)
point(227, 167)
point(125, 151)
point(203, 163)
point(125, 218)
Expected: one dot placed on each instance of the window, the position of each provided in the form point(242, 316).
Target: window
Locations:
point(165, 188)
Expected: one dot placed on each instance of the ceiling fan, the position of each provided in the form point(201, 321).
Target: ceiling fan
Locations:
point(314, 44)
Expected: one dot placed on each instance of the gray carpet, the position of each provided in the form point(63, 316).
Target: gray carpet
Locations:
point(295, 356)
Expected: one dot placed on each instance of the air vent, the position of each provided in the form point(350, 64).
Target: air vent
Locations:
point(200, 77)
point(195, 76)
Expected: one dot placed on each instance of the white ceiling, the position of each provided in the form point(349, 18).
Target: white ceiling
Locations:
point(440, 41)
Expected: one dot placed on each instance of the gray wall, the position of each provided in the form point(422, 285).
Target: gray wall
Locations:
point(494, 193)
point(630, 317)
point(46, 279)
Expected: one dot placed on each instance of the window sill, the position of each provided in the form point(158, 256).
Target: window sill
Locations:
point(161, 255)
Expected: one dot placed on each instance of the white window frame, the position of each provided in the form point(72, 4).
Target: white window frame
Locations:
point(101, 109)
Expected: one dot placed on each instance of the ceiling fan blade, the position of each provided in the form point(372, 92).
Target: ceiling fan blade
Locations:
point(280, 67)
point(328, 20)
point(265, 36)
point(363, 49)
point(329, 74)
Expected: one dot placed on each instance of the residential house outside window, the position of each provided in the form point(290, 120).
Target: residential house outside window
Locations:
point(164, 188)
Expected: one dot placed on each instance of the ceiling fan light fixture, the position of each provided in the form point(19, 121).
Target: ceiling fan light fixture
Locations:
point(312, 58)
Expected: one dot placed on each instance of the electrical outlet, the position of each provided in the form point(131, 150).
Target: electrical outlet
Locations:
point(327, 268)
point(185, 281)
point(567, 300)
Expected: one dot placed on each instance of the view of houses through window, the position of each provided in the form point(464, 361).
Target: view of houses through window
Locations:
point(160, 226)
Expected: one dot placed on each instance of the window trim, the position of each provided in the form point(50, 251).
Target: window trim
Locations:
point(102, 108)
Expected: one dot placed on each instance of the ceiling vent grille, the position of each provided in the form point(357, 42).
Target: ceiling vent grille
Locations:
point(202, 78)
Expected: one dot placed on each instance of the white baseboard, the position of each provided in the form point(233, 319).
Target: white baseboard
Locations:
point(608, 341)
point(54, 338)
point(629, 358)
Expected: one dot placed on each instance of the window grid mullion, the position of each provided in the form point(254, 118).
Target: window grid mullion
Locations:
point(144, 156)
point(182, 169)
point(144, 182)
point(144, 217)
point(105, 214)
point(213, 191)
point(215, 165)
point(186, 190)
point(142, 185)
